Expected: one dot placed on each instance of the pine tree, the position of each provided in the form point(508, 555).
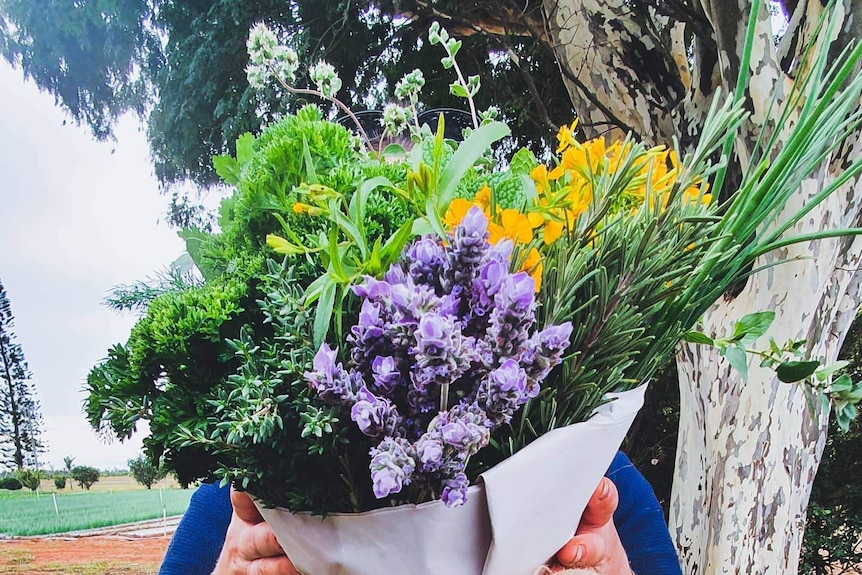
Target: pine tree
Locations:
point(20, 412)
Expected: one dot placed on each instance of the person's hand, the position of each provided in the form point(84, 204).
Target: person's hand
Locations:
point(596, 547)
point(250, 547)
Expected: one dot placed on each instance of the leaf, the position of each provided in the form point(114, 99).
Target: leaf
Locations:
point(697, 337)
point(392, 248)
point(394, 151)
point(458, 90)
point(738, 360)
point(323, 313)
point(791, 371)
point(433, 217)
point(308, 163)
point(196, 242)
point(841, 385)
point(227, 169)
point(523, 162)
point(244, 148)
point(753, 325)
point(360, 197)
point(335, 263)
point(464, 157)
point(348, 227)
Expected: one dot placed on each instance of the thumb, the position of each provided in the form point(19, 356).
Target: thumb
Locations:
point(601, 506)
point(244, 507)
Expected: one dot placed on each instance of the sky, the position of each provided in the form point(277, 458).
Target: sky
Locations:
point(77, 217)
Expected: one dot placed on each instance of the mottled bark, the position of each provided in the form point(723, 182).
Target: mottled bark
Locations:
point(747, 452)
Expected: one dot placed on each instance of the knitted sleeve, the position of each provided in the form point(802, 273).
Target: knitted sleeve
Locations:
point(640, 522)
point(197, 542)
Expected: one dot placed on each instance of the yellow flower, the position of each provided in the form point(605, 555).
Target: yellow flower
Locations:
point(566, 136)
point(540, 176)
point(552, 232)
point(300, 208)
point(514, 225)
point(457, 210)
point(556, 173)
point(533, 266)
point(536, 219)
point(483, 197)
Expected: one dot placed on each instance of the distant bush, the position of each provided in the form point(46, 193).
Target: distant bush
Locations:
point(144, 472)
point(30, 478)
point(10, 483)
point(85, 476)
point(60, 481)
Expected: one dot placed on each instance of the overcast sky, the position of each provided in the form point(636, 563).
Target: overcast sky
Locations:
point(76, 218)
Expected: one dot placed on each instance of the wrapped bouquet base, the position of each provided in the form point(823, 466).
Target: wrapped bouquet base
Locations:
point(515, 518)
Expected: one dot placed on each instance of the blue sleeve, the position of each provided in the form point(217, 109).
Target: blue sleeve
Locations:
point(640, 522)
point(197, 542)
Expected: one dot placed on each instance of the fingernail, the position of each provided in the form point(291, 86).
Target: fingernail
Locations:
point(606, 490)
point(579, 554)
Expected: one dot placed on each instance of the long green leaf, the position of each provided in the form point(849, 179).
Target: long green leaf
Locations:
point(465, 157)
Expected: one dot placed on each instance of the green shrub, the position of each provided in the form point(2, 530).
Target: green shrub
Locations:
point(85, 475)
point(10, 483)
point(144, 472)
point(30, 478)
point(60, 481)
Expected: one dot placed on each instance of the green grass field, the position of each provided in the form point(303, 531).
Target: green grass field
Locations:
point(23, 513)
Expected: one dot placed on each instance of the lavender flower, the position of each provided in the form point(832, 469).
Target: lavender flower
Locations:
point(464, 427)
point(440, 360)
point(426, 261)
point(513, 314)
point(374, 415)
point(469, 246)
point(429, 451)
point(385, 371)
point(367, 336)
point(331, 382)
point(544, 351)
point(455, 490)
point(391, 466)
point(504, 391)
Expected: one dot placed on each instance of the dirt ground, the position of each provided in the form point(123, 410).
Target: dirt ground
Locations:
point(101, 555)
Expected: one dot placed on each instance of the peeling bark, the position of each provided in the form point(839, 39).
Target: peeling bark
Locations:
point(747, 452)
point(619, 73)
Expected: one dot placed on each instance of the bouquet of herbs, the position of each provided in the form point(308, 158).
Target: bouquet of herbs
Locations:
point(376, 326)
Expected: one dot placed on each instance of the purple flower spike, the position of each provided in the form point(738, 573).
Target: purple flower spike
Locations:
point(455, 490)
point(391, 466)
point(373, 415)
point(468, 248)
point(501, 251)
point(465, 428)
point(518, 292)
point(372, 289)
point(544, 351)
point(513, 315)
point(385, 373)
point(367, 336)
point(429, 451)
point(425, 261)
point(474, 224)
point(509, 377)
point(331, 382)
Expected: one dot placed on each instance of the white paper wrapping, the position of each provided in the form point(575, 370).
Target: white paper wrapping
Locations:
point(517, 516)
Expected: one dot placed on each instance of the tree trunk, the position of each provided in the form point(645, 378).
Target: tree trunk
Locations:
point(747, 452)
